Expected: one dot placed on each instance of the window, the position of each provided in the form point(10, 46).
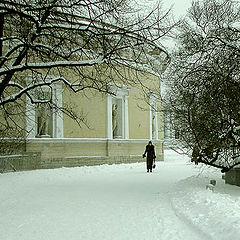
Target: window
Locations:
point(45, 119)
point(117, 113)
point(43, 114)
point(170, 130)
point(117, 118)
point(153, 128)
point(166, 125)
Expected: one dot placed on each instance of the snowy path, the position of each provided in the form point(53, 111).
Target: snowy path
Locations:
point(118, 202)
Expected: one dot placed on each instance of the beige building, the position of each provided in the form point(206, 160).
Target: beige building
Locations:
point(115, 127)
point(112, 124)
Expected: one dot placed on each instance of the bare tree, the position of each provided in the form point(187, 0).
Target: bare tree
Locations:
point(204, 84)
point(84, 44)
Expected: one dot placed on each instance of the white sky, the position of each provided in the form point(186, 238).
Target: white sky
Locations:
point(179, 6)
point(179, 9)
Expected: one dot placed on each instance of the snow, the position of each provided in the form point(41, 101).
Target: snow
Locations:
point(119, 202)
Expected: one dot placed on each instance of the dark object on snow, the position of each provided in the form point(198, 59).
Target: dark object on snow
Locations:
point(211, 185)
point(195, 155)
point(224, 170)
point(150, 151)
point(213, 182)
point(154, 165)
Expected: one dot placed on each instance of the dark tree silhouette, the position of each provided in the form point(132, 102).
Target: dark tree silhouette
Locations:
point(204, 84)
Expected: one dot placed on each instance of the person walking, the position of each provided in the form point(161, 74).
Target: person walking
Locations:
point(150, 151)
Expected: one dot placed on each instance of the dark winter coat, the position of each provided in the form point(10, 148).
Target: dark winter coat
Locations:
point(150, 151)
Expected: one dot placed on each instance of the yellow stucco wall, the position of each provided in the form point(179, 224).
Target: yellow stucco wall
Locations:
point(138, 116)
point(160, 122)
point(92, 107)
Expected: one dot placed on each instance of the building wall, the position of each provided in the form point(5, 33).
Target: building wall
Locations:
point(19, 162)
point(90, 143)
point(160, 122)
point(80, 152)
point(73, 147)
point(92, 108)
point(138, 116)
point(12, 119)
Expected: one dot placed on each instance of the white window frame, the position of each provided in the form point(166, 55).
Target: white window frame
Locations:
point(153, 117)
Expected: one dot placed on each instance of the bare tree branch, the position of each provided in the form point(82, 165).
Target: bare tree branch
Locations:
point(203, 92)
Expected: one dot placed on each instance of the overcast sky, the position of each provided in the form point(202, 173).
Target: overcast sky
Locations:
point(179, 6)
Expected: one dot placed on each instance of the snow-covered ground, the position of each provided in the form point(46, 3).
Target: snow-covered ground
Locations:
point(119, 202)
